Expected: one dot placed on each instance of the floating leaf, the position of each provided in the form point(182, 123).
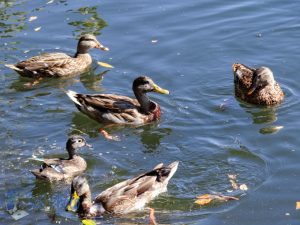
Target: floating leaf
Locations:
point(204, 199)
point(297, 205)
point(32, 18)
point(105, 65)
point(270, 129)
point(207, 198)
point(88, 222)
point(37, 29)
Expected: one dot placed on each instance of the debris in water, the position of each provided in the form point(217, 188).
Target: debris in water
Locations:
point(32, 18)
point(37, 29)
point(207, 198)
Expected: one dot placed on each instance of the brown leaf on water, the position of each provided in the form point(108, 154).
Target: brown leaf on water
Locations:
point(204, 199)
point(207, 198)
point(32, 18)
point(106, 65)
point(297, 205)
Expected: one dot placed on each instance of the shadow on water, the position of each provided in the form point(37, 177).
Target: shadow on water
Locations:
point(89, 80)
point(92, 24)
point(260, 115)
point(150, 134)
point(11, 21)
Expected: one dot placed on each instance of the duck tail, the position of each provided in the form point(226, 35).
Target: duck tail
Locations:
point(73, 96)
point(13, 67)
point(173, 168)
point(165, 173)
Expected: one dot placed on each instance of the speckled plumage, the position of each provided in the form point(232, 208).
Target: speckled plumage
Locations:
point(59, 64)
point(269, 93)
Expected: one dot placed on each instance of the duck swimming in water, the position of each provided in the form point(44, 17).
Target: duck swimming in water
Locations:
point(110, 108)
point(256, 85)
point(58, 169)
point(125, 197)
point(60, 64)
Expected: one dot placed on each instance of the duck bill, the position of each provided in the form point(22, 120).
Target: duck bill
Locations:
point(100, 46)
point(73, 204)
point(88, 145)
point(158, 89)
point(252, 89)
point(235, 67)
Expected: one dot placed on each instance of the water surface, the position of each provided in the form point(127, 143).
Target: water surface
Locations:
point(187, 47)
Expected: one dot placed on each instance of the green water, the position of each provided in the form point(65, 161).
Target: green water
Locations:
point(187, 47)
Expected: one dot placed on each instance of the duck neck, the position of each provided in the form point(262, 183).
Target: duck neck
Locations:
point(85, 203)
point(144, 101)
point(71, 150)
point(81, 49)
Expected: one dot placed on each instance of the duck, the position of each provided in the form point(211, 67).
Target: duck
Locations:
point(117, 109)
point(58, 169)
point(125, 197)
point(256, 85)
point(60, 64)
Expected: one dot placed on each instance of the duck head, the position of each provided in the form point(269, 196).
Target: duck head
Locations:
point(75, 142)
point(88, 41)
point(144, 84)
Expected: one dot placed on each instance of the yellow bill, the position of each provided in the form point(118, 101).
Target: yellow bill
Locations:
point(73, 203)
point(158, 89)
point(100, 46)
point(88, 222)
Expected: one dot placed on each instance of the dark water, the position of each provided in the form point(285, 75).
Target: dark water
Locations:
point(203, 125)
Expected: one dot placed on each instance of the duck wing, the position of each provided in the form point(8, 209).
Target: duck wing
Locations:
point(108, 107)
point(146, 185)
point(45, 61)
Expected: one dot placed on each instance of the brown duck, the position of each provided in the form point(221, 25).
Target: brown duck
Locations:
point(60, 64)
point(110, 108)
point(125, 197)
point(58, 169)
point(256, 85)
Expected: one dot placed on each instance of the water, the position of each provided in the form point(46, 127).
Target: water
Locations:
point(203, 125)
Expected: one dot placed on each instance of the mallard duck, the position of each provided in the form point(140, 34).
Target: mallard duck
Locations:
point(125, 197)
point(256, 85)
point(64, 169)
point(110, 108)
point(60, 64)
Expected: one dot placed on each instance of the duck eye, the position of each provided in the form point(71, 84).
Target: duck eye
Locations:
point(80, 140)
point(144, 83)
